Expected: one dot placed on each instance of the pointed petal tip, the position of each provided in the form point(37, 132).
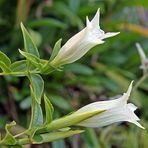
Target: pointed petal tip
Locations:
point(87, 21)
point(95, 20)
point(98, 11)
point(137, 45)
point(139, 125)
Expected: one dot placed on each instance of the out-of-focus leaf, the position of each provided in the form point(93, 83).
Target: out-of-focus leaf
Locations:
point(48, 22)
point(26, 103)
point(91, 138)
point(36, 36)
point(59, 102)
point(79, 69)
point(30, 47)
point(37, 84)
point(59, 143)
point(49, 109)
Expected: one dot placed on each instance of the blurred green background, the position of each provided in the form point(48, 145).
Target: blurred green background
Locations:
point(104, 72)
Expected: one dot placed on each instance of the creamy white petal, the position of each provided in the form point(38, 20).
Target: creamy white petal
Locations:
point(109, 34)
point(87, 22)
point(110, 116)
point(137, 123)
point(105, 105)
point(81, 43)
point(96, 20)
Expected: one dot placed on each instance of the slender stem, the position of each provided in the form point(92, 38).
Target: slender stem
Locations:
point(20, 134)
point(19, 73)
point(140, 81)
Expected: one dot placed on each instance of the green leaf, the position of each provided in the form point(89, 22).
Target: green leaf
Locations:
point(4, 67)
point(25, 103)
point(9, 139)
point(4, 58)
point(32, 58)
point(79, 69)
point(49, 109)
point(30, 47)
point(59, 143)
point(58, 100)
point(37, 84)
point(56, 49)
point(19, 66)
point(38, 115)
point(48, 22)
point(91, 138)
point(48, 137)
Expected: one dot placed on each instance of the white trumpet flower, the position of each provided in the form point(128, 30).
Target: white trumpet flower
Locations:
point(115, 111)
point(82, 42)
point(144, 59)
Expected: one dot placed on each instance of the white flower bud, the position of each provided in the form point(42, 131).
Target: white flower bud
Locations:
point(115, 111)
point(144, 59)
point(82, 42)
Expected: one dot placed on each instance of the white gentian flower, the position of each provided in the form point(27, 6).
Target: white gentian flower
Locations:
point(82, 42)
point(144, 59)
point(115, 111)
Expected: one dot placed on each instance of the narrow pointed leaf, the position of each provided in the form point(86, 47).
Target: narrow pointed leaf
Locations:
point(37, 84)
point(4, 67)
point(56, 49)
point(30, 47)
point(49, 109)
point(19, 66)
point(36, 115)
point(4, 58)
point(32, 58)
point(9, 139)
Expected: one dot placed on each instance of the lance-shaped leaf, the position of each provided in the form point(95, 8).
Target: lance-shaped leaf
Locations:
point(49, 137)
point(30, 47)
point(8, 139)
point(36, 116)
point(47, 67)
point(49, 109)
point(56, 49)
point(4, 67)
point(37, 84)
point(4, 58)
point(19, 66)
point(32, 58)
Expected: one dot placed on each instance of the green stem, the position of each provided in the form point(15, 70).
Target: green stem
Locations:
point(19, 73)
point(140, 81)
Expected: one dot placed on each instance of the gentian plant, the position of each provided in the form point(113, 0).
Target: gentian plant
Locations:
point(96, 114)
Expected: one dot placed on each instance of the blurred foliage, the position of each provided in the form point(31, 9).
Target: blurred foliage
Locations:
point(104, 72)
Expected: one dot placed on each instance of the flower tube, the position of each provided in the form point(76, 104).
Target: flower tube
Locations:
point(82, 42)
point(117, 110)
